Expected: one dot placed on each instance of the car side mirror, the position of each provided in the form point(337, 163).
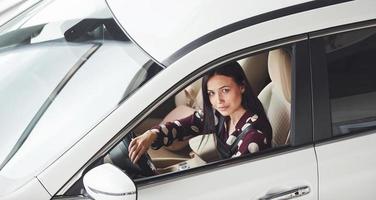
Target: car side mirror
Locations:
point(109, 182)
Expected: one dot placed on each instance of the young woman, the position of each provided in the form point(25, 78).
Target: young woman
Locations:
point(231, 111)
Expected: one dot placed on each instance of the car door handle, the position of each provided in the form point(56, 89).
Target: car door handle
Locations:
point(287, 194)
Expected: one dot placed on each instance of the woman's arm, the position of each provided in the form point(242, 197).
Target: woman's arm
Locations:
point(182, 129)
point(165, 134)
point(139, 145)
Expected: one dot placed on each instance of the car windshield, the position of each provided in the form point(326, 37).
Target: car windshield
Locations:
point(62, 72)
point(11, 8)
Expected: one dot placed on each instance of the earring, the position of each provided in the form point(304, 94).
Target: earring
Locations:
point(242, 89)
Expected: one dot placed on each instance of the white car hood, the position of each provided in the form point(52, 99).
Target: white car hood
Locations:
point(162, 28)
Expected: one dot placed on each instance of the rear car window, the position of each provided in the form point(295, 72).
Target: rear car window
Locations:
point(351, 65)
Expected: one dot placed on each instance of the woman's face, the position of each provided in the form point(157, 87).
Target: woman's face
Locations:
point(225, 94)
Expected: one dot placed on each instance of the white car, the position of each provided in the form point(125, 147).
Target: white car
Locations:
point(80, 78)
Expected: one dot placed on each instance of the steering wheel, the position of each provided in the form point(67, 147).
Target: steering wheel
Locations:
point(120, 157)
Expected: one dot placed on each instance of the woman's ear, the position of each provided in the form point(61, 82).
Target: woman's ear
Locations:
point(242, 89)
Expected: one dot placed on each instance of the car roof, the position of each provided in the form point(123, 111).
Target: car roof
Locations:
point(165, 29)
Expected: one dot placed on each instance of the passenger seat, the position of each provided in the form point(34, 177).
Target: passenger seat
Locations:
point(256, 70)
point(276, 96)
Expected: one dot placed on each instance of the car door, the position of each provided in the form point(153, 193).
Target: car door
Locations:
point(287, 170)
point(284, 171)
point(344, 103)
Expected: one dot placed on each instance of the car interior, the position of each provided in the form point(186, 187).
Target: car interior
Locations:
point(269, 74)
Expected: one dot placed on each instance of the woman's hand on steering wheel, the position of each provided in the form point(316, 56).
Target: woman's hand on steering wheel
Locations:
point(140, 145)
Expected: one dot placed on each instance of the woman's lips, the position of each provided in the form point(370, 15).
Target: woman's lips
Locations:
point(222, 108)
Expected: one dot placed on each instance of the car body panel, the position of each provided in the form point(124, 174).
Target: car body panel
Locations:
point(247, 180)
point(348, 164)
point(32, 190)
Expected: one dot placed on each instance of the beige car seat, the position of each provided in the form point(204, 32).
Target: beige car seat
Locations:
point(256, 69)
point(276, 96)
point(190, 96)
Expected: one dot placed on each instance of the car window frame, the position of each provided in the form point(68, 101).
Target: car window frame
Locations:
point(302, 118)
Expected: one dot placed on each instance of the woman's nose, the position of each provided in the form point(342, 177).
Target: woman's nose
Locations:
point(219, 98)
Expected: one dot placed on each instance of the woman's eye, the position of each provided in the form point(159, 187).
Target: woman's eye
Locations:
point(225, 90)
point(210, 94)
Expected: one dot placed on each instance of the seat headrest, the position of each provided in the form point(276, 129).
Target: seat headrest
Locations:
point(256, 70)
point(279, 67)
